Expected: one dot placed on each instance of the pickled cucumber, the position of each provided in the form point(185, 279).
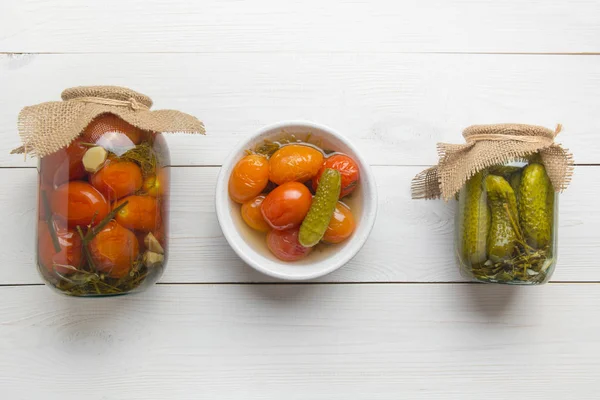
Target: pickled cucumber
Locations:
point(536, 206)
point(476, 221)
point(515, 183)
point(502, 237)
point(505, 171)
point(321, 210)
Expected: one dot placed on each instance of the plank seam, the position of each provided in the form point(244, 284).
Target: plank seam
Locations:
point(337, 52)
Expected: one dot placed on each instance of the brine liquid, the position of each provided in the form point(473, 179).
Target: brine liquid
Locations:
point(258, 240)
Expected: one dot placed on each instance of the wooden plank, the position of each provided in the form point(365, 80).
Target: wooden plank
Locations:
point(412, 240)
point(395, 107)
point(307, 341)
point(299, 26)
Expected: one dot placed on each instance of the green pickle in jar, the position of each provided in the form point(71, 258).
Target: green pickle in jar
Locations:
point(506, 224)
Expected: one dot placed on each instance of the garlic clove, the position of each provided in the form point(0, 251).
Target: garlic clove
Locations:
point(151, 258)
point(152, 244)
point(94, 158)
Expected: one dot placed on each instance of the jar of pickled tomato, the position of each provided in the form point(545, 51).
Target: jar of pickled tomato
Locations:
point(104, 210)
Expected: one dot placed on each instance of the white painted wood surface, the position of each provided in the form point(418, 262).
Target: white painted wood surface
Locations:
point(453, 341)
point(395, 106)
point(396, 322)
point(123, 26)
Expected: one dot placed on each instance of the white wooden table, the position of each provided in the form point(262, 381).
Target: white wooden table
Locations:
point(398, 321)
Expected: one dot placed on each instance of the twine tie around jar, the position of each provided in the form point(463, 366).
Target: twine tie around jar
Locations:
point(544, 140)
point(131, 103)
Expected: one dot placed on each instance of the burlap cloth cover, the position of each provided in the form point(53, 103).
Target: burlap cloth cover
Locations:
point(489, 145)
point(47, 127)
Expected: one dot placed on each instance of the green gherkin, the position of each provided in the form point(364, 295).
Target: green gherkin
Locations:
point(502, 237)
point(476, 221)
point(322, 208)
point(505, 171)
point(536, 206)
point(515, 184)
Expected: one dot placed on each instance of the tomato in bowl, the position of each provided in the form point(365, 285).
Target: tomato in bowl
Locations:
point(298, 154)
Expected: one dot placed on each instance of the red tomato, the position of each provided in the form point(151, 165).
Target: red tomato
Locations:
point(78, 203)
point(252, 215)
point(64, 165)
point(347, 167)
point(141, 213)
point(285, 245)
point(286, 206)
point(117, 179)
point(114, 250)
point(70, 249)
point(111, 123)
point(294, 163)
point(341, 225)
point(249, 178)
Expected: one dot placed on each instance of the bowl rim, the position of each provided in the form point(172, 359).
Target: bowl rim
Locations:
point(221, 198)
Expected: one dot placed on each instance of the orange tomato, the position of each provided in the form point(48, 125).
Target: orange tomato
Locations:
point(117, 179)
point(294, 163)
point(160, 233)
point(348, 169)
point(78, 203)
point(286, 206)
point(341, 225)
point(285, 245)
point(252, 215)
point(114, 250)
point(157, 185)
point(141, 213)
point(64, 165)
point(111, 123)
point(249, 178)
point(70, 249)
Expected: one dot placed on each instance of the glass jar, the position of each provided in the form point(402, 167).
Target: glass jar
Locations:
point(506, 225)
point(103, 210)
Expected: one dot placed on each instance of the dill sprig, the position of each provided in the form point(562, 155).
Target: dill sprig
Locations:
point(144, 155)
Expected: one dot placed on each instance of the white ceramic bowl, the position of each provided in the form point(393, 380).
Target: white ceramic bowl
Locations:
point(251, 246)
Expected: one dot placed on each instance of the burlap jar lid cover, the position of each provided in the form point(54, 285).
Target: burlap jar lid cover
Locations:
point(47, 127)
point(489, 145)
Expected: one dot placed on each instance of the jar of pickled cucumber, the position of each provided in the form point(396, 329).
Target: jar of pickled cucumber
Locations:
point(506, 180)
point(103, 189)
point(506, 225)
